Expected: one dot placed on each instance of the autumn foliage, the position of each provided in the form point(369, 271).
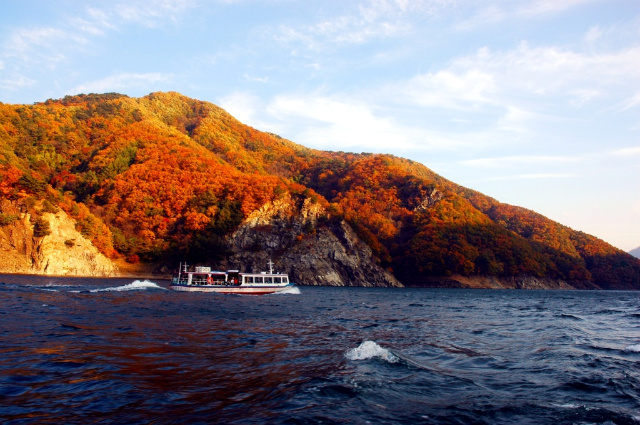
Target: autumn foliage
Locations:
point(165, 175)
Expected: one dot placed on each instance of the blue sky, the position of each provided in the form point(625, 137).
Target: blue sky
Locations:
point(535, 103)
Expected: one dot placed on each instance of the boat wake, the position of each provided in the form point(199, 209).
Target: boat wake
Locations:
point(289, 291)
point(133, 286)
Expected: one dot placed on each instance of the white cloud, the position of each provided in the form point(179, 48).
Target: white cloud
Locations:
point(498, 11)
point(631, 102)
point(519, 160)
point(151, 13)
point(531, 176)
point(513, 89)
point(370, 20)
point(124, 82)
point(450, 89)
point(40, 45)
point(334, 123)
point(626, 151)
point(248, 77)
point(16, 82)
point(338, 124)
point(548, 7)
point(242, 106)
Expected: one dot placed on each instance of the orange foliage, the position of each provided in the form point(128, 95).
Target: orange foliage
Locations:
point(145, 176)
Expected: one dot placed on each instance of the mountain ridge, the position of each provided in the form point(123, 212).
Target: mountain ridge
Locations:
point(164, 176)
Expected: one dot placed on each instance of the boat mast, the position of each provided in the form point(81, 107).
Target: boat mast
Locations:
point(180, 270)
point(270, 263)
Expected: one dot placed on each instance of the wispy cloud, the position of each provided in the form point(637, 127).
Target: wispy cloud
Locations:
point(151, 13)
point(340, 123)
point(337, 124)
point(531, 176)
point(40, 45)
point(492, 76)
point(248, 77)
point(633, 151)
point(243, 107)
point(493, 12)
point(16, 82)
point(548, 7)
point(124, 82)
point(359, 23)
point(519, 160)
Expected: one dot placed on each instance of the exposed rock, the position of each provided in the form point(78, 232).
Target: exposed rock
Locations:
point(63, 252)
point(430, 200)
point(303, 241)
point(497, 282)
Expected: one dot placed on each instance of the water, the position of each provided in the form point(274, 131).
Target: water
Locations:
point(92, 351)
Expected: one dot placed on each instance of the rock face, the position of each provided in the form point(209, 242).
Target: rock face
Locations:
point(63, 252)
point(305, 242)
point(497, 282)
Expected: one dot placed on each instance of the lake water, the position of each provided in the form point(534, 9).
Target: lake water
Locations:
point(92, 351)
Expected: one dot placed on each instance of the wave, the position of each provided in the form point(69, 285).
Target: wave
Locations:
point(133, 286)
point(294, 290)
point(571, 316)
point(368, 350)
point(633, 348)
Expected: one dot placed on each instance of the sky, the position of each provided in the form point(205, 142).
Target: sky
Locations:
point(534, 103)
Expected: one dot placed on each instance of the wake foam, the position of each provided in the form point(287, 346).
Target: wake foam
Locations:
point(633, 348)
point(133, 286)
point(369, 350)
point(294, 290)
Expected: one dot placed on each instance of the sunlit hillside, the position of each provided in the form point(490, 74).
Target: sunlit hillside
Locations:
point(166, 177)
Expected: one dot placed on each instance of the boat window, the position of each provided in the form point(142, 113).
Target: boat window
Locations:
point(277, 280)
point(258, 279)
point(248, 279)
point(268, 280)
point(285, 279)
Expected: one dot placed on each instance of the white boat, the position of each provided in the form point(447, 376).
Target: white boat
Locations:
point(203, 279)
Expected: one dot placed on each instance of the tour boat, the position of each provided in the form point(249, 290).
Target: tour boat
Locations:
point(203, 279)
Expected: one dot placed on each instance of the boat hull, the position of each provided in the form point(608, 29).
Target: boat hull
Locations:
point(232, 289)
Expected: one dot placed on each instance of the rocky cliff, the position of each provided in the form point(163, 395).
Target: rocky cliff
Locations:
point(165, 178)
point(62, 251)
point(304, 241)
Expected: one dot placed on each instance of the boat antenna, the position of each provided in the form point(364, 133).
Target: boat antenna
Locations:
point(270, 263)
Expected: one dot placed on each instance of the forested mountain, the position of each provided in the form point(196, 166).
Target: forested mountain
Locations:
point(164, 178)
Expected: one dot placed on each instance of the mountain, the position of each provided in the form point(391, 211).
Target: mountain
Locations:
point(164, 178)
point(635, 252)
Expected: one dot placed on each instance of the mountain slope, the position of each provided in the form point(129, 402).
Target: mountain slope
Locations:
point(165, 177)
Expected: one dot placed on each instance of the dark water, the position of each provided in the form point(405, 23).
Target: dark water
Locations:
point(78, 351)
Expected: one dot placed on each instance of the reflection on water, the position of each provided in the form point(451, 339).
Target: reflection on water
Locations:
point(117, 351)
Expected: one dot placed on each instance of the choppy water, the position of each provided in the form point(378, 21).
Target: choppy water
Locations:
point(81, 351)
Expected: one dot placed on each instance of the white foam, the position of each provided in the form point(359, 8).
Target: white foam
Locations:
point(369, 350)
point(134, 286)
point(294, 290)
point(633, 348)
